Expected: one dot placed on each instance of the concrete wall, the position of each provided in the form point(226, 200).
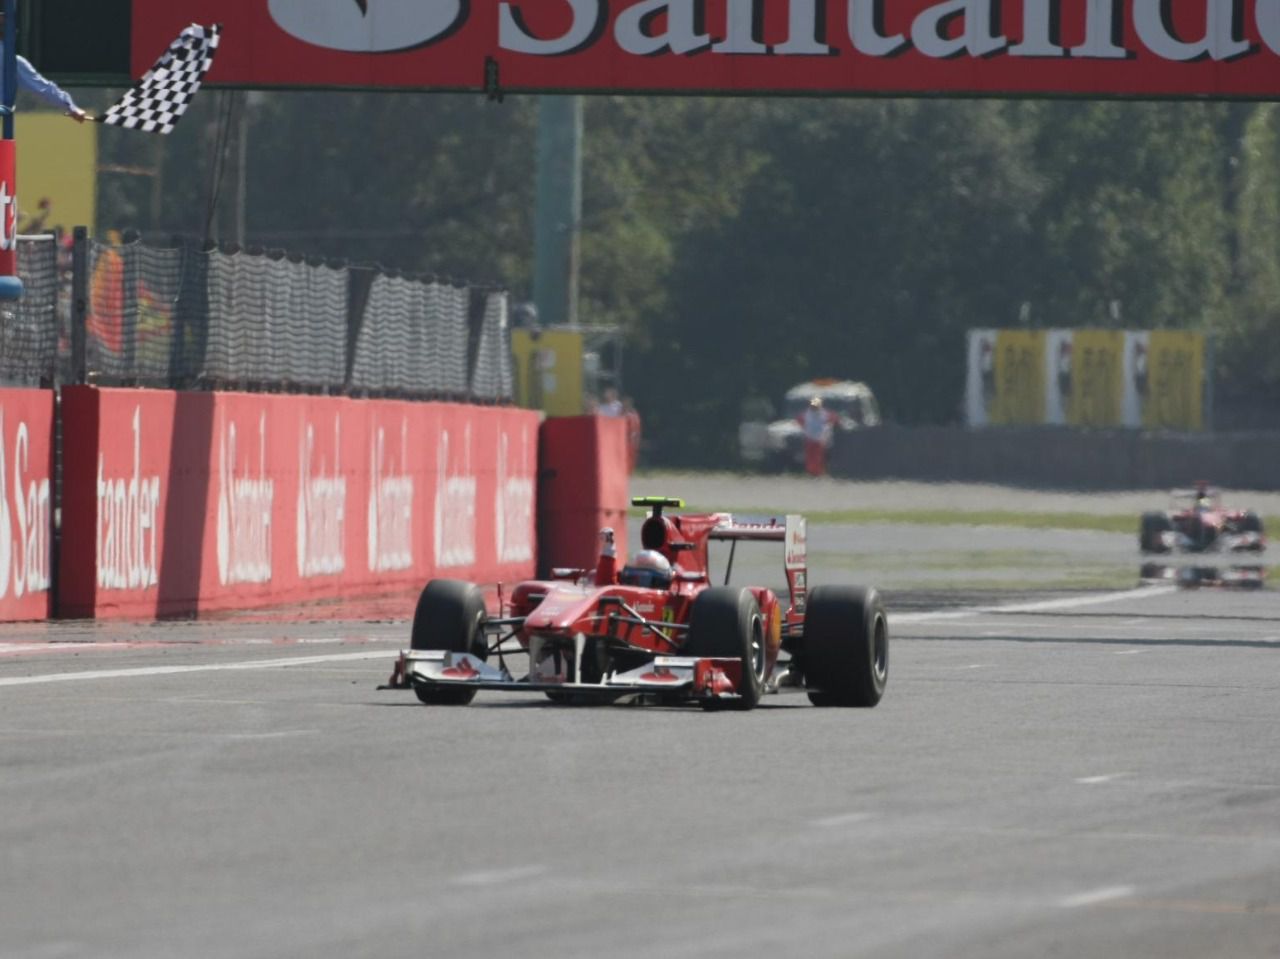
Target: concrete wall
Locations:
point(1059, 458)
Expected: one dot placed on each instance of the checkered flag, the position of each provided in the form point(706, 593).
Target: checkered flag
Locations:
point(162, 95)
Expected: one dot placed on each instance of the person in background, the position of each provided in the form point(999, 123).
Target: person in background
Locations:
point(817, 437)
point(610, 404)
point(29, 79)
point(632, 416)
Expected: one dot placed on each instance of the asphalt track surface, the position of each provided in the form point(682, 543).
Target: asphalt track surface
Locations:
point(1050, 773)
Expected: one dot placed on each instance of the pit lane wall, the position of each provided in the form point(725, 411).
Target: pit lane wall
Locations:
point(176, 503)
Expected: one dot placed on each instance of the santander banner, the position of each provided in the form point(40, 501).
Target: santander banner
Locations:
point(26, 517)
point(178, 502)
point(1219, 48)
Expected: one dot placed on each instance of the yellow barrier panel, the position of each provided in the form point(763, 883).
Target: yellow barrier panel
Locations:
point(548, 371)
point(57, 181)
point(1097, 378)
point(1175, 387)
point(1019, 398)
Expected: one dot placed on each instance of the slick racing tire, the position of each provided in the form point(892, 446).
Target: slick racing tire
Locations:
point(1251, 522)
point(1150, 532)
point(450, 615)
point(726, 623)
point(846, 646)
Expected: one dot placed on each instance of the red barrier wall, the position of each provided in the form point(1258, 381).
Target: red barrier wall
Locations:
point(181, 502)
point(583, 486)
point(26, 515)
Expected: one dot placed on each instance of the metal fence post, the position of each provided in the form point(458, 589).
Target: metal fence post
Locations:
point(79, 303)
point(359, 288)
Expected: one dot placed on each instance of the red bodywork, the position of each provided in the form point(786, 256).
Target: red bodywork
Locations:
point(571, 603)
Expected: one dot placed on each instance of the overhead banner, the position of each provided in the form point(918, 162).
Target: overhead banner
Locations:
point(1144, 48)
point(1149, 379)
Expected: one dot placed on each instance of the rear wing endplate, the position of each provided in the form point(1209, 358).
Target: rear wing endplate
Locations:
point(791, 533)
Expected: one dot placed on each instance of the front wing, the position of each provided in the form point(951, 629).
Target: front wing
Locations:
point(1173, 541)
point(1190, 577)
point(670, 678)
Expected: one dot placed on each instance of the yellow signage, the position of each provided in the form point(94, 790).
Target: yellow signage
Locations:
point(548, 371)
point(57, 165)
point(1175, 381)
point(1019, 375)
point(1097, 378)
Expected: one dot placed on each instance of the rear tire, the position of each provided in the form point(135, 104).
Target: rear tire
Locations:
point(846, 646)
point(726, 623)
point(1150, 532)
point(450, 615)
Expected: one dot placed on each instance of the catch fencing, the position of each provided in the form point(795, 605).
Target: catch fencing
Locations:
point(30, 327)
point(188, 317)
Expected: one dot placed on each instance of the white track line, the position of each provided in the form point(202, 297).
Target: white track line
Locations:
point(497, 877)
point(1095, 896)
point(1071, 602)
point(1046, 605)
point(204, 668)
point(843, 819)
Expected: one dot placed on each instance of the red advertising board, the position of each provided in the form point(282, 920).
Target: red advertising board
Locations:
point(26, 516)
point(1143, 48)
point(582, 462)
point(180, 502)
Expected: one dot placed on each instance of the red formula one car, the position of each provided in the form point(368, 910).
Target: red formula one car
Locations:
point(657, 629)
point(1198, 523)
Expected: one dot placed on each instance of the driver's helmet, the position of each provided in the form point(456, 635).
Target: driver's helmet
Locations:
point(647, 568)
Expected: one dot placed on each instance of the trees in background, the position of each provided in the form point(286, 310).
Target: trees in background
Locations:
point(744, 244)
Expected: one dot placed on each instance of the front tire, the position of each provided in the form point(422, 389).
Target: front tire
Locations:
point(450, 615)
point(1251, 522)
point(726, 623)
point(1151, 532)
point(846, 646)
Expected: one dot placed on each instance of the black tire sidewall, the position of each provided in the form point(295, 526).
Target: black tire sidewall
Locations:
point(721, 625)
point(449, 616)
point(839, 654)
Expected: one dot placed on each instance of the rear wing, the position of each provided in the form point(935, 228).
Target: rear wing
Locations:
point(1196, 495)
point(791, 532)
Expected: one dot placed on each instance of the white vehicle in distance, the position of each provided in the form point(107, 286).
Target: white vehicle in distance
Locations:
point(778, 444)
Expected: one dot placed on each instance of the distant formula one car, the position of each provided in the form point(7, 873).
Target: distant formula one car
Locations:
point(1198, 523)
point(657, 630)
